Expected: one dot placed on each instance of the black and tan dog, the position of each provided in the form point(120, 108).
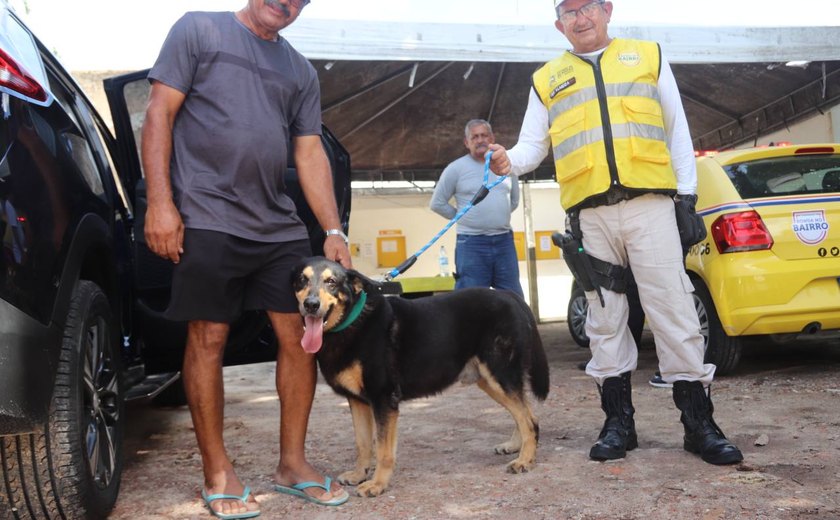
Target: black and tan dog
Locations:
point(378, 350)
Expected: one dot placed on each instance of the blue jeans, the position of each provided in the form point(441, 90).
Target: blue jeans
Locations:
point(487, 261)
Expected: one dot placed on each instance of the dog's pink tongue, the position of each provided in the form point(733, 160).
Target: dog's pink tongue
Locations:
point(313, 335)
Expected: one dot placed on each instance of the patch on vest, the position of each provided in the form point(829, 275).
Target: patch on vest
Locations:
point(560, 74)
point(561, 87)
point(810, 227)
point(629, 59)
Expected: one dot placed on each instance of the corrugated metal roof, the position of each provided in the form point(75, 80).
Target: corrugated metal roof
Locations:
point(397, 131)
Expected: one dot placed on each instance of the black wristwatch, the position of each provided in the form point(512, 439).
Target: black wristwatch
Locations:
point(338, 232)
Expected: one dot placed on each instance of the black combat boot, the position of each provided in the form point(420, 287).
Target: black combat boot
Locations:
point(702, 434)
point(618, 435)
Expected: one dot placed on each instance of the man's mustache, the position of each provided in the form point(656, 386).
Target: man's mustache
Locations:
point(277, 5)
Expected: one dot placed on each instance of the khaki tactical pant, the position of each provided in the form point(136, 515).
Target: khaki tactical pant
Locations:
point(642, 232)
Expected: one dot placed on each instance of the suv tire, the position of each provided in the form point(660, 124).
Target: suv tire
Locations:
point(87, 412)
point(72, 468)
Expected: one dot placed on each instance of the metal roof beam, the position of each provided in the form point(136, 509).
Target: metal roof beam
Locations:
point(367, 88)
point(496, 93)
point(710, 106)
point(821, 93)
point(393, 103)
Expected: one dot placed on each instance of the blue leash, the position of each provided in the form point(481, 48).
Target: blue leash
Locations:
point(478, 197)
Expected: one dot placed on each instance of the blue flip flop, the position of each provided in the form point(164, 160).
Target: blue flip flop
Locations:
point(297, 490)
point(221, 496)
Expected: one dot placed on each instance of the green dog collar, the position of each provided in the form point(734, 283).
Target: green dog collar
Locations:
point(354, 313)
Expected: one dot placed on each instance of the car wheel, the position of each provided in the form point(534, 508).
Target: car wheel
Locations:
point(72, 468)
point(576, 316)
point(721, 350)
point(703, 318)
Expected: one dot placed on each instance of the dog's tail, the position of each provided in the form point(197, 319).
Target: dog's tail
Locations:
point(538, 367)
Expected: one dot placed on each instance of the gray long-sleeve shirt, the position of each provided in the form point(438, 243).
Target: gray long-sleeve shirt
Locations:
point(461, 179)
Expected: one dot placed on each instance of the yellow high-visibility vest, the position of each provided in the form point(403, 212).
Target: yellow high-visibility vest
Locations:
point(605, 122)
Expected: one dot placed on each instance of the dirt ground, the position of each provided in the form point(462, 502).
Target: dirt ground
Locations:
point(782, 407)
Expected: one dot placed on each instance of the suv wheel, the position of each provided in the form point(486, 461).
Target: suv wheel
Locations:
point(722, 350)
point(576, 316)
point(72, 468)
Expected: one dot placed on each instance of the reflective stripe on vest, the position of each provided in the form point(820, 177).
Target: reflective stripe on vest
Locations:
point(591, 94)
point(625, 130)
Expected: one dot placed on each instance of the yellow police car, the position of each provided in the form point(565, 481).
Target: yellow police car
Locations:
point(770, 264)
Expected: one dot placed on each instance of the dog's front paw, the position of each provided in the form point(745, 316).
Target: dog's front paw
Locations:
point(506, 448)
point(353, 477)
point(519, 466)
point(371, 488)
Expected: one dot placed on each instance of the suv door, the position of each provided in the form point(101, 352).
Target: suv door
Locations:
point(127, 96)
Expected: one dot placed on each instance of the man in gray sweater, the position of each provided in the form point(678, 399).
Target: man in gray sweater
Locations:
point(485, 255)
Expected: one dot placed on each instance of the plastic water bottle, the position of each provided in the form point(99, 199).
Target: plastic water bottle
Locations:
point(443, 261)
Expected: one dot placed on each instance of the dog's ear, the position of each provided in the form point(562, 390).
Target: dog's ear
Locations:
point(294, 275)
point(358, 281)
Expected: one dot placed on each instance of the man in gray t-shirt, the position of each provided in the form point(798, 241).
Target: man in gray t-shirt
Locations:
point(228, 97)
point(485, 255)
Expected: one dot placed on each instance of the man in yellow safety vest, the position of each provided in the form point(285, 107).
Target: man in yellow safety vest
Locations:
point(611, 112)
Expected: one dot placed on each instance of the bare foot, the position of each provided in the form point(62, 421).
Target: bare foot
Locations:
point(227, 483)
point(288, 476)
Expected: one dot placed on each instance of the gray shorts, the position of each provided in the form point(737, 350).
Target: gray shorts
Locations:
point(221, 275)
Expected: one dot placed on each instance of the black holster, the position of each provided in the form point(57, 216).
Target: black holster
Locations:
point(590, 273)
point(576, 258)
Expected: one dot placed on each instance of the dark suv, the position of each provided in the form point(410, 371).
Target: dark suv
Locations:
point(81, 296)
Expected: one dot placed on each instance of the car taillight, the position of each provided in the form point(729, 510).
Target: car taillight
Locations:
point(741, 232)
point(15, 77)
